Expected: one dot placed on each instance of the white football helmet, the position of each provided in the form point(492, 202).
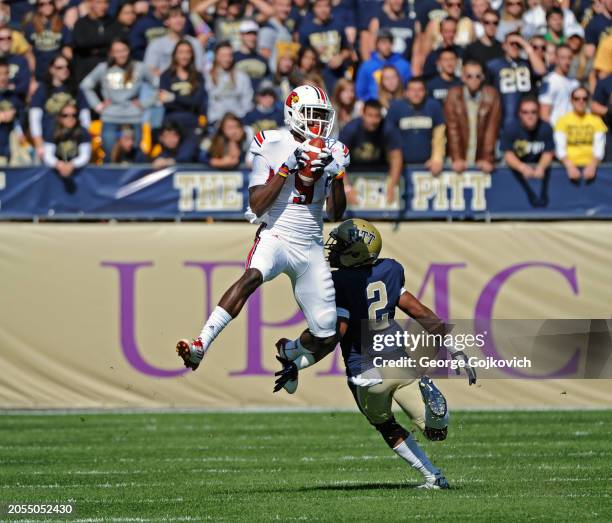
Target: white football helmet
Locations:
point(309, 113)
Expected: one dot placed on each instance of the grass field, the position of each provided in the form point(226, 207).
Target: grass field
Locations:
point(503, 466)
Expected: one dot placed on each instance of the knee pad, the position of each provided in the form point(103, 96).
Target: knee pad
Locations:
point(326, 323)
point(391, 431)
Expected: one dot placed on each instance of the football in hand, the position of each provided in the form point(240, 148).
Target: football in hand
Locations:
point(306, 175)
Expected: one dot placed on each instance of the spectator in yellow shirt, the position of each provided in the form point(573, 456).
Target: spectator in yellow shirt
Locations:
point(580, 138)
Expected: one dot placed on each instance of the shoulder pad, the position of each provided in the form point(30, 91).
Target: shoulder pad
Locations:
point(340, 152)
point(263, 138)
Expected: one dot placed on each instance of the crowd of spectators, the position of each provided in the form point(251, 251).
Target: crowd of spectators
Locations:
point(456, 83)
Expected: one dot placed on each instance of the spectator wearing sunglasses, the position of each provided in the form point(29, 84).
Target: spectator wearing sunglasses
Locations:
point(487, 47)
point(528, 145)
point(69, 148)
point(56, 90)
point(580, 138)
point(513, 76)
point(473, 113)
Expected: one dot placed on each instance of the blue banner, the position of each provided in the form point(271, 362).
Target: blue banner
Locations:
point(195, 192)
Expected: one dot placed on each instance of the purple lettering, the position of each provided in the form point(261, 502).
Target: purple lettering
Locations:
point(484, 313)
point(127, 322)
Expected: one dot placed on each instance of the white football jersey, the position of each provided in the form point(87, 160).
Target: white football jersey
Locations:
point(298, 210)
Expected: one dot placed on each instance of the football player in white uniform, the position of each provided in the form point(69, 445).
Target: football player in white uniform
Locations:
point(289, 240)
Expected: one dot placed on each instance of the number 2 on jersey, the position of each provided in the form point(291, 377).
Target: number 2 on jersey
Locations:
point(377, 291)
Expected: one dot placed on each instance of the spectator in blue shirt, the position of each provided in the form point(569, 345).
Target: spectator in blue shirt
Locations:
point(420, 122)
point(70, 147)
point(326, 35)
point(47, 35)
point(368, 76)
point(267, 114)
point(148, 27)
point(513, 76)
point(370, 146)
point(182, 91)
point(528, 144)
point(448, 32)
point(247, 59)
point(374, 147)
point(599, 26)
point(446, 78)
point(19, 71)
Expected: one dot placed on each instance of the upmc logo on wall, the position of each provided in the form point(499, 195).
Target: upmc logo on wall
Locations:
point(437, 277)
point(449, 191)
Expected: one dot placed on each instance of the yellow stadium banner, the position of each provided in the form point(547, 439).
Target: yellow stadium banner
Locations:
point(90, 313)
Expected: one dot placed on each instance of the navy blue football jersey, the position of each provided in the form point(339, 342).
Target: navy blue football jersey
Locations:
point(366, 295)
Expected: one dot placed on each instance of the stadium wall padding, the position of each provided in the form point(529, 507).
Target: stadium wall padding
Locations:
point(90, 313)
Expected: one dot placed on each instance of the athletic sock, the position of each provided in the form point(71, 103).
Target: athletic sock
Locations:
point(216, 322)
point(410, 451)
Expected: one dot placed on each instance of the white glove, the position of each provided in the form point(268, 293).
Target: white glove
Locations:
point(298, 159)
point(324, 158)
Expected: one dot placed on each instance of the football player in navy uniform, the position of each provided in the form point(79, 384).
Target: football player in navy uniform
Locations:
point(369, 288)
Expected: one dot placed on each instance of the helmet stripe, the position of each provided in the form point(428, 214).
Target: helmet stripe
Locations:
point(321, 93)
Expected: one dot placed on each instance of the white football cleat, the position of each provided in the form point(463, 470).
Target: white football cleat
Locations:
point(191, 353)
point(438, 483)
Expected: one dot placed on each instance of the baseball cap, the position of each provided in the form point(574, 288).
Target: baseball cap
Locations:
point(266, 87)
point(249, 26)
point(575, 30)
point(384, 33)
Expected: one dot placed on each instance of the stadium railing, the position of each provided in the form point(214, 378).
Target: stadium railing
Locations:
point(187, 192)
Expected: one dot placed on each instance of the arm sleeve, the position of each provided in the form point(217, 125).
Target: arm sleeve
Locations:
point(85, 118)
point(49, 158)
point(393, 139)
point(591, 35)
point(151, 56)
point(88, 86)
point(246, 89)
point(260, 172)
point(546, 95)
point(560, 145)
point(599, 145)
point(35, 116)
point(438, 142)
point(505, 144)
point(82, 159)
point(549, 142)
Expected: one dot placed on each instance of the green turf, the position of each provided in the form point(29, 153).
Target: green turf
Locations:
point(503, 466)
